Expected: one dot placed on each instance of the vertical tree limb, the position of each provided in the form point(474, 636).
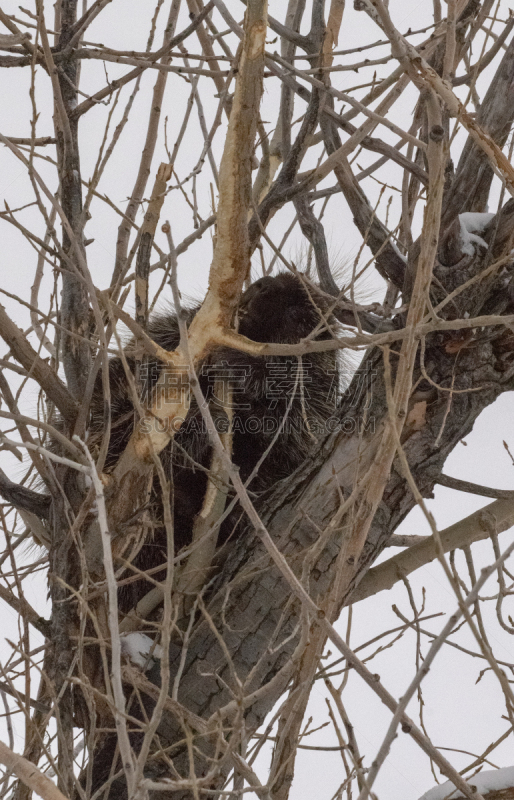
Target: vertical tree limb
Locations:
point(375, 480)
point(75, 301)
point(147, 234)
point(148, 152)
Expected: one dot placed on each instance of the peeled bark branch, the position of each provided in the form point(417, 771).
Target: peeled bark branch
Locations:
point(230, 267)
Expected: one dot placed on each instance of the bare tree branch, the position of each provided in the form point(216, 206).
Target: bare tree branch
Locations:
point(23, 351)
point(29, 774)
point(497, 516)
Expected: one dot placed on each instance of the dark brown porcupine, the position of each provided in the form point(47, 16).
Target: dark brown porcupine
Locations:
point(265, 390)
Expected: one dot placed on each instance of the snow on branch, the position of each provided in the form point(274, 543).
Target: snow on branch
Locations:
point(494, 780)
point(471, 225)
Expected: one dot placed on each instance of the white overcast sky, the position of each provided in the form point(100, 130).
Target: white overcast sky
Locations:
point(458, 713)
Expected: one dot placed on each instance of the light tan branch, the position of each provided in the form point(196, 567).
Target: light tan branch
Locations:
point(29, 774)
point(497, 516)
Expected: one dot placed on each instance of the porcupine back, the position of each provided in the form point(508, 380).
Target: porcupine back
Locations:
point(265, 390)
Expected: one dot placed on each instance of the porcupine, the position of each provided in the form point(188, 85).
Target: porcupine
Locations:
point(273, 309)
